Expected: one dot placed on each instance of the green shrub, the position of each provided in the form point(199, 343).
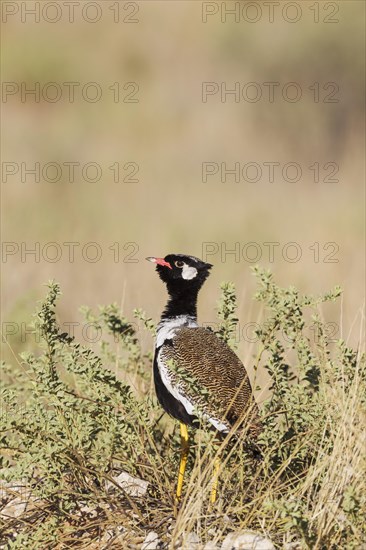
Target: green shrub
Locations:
point(70, 425)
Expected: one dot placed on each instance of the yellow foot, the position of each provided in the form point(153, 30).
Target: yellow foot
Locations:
point(215, 480)
point(176, 506)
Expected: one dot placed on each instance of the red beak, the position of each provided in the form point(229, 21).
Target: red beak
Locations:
point(159, 261)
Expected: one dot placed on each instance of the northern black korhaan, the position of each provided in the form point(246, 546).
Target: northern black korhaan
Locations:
point(196, 374)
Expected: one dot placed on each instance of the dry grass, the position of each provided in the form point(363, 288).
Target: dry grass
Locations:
point(311, 498)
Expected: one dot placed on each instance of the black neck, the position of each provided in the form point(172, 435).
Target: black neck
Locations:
point(181, 302)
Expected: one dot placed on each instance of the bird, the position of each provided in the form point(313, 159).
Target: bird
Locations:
point(197, 376)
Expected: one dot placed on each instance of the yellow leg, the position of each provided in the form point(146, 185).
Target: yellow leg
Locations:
point(184, 437)
point(215, 479)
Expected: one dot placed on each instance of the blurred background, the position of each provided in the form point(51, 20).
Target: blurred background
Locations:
point(149, 61)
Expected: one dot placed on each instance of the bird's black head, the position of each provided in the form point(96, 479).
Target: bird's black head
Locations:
point(181, 270)
point(183, 275)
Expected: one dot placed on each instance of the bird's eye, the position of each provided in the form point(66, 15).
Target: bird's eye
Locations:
point(179, 264)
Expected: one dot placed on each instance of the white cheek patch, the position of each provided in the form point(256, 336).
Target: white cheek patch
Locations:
point(188, 272)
